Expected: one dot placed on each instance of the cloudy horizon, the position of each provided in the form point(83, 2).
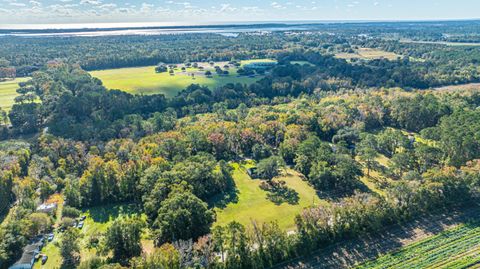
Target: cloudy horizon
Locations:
point(195, 11)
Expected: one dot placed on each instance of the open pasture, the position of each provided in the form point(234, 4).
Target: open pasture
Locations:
point(251, 203)
point(8, 92)
point(368, 54)
point(144, 80)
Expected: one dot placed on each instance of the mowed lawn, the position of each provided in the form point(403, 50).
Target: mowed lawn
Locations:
point(144, 80)
point(8, 92)
point(252, 203)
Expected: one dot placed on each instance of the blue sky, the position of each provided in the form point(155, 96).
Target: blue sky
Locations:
point(196, 11)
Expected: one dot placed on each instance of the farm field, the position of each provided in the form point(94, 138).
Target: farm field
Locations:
point(370, 250)
point(469, 44)
point(251, 196)
point(455, 248)
point(368, 54)
point(144, 80)
point(8, 92)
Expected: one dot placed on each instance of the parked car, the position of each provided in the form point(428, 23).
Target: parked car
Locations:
point(80, 225)
point(50, 237)
point(83, 218)
point(44, 259)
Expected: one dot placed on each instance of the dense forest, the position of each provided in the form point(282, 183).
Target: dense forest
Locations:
point(173, 159)
point(430, 63)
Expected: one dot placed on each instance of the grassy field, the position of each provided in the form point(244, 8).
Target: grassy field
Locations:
point(455, 248)
point(252, 203)
point(144, 80)
point(368, 54)
point(8, 92)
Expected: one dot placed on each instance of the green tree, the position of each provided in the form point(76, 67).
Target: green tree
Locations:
point(270, 167)
point(123, 238)
point(321, 176)
point(72, 193)
point(367, 151)
point(39, 223)
point(402, 162)
point(165, 257)
point(70, 248)
point(427, 156)
point(182, 216)
point(25, 118)
point(390, 140)
point(237, 247)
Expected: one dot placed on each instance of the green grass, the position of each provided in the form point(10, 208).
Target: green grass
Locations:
point(455, 248)
point(252, 202)
point(53, 253)
point(144, 80)
point(368, 54)
point(97, 222)
point(8, 92)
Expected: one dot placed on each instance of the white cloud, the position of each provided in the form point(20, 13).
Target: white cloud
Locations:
point(17, 4)
point(277, 5)
point(35, 3)
point(91, 2)
point(227, 8)
point(146, 7)
point(252, 8)
point(108, 6)
point(3, 10)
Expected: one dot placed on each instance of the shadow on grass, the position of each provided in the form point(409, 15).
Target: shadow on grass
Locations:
point(103, 214)
point(279, 192)
point(223, 199)
point(337, 195)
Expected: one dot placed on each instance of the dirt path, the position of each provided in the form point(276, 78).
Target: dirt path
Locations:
point(467, 86)
point(350, 252)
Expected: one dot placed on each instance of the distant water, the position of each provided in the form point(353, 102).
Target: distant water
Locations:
point(163, 28)
point(81, 26)
point(140, 24)
point(116, 29)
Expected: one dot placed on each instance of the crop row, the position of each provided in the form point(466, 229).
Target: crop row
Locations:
point(456, 248)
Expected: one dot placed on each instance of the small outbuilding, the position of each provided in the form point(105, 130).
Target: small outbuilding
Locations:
point(47, 208)
point(252, 172)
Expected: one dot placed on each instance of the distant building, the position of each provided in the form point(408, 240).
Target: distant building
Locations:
point(47, 208)
point(260, 65)
point(252, 172)
point(28, 257)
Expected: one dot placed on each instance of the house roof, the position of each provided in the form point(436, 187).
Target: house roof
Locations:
point(28, 256)
point(46, 207)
